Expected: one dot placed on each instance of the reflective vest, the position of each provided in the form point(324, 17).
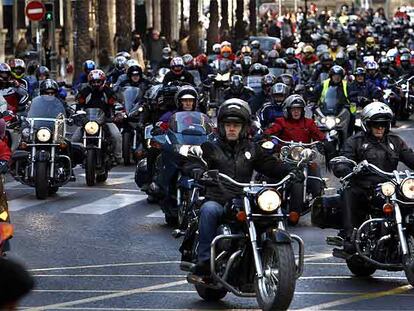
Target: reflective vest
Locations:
point(325, 87)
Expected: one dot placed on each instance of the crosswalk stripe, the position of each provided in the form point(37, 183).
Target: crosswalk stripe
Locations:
point(106, 205)
point(157, 214)
point(30, 200)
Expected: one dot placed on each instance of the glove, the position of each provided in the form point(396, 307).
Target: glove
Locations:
point(297, 175)
point(4, 167)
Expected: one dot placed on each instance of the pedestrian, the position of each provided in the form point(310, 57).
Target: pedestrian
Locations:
point(15, 283)
point(155, 46)
point(138, 51)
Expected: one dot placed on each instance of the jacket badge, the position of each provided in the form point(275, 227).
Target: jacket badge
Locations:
point(391, 146)
point(248, 155)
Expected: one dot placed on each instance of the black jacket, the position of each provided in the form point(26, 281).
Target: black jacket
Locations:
point(184, 77)
point(238, 162)
point(385, 154)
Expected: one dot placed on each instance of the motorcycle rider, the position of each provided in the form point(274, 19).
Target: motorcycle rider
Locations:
point(334, 48)
point(360, 90)
point(134, 77)
point(372, 73)
point(292, 61)
point(308, 56)
point(15, 95)
point(178, 73)
point(118, 69)
point(97, 94)
point(379, 146)
point(234, 155)
point(274, 108)
point(257, 54)
point(324, 65)
point(216, 52)
point(166, 58)
point(237, 89)
point(406, 68)
point(18, 68)
point(87, 67)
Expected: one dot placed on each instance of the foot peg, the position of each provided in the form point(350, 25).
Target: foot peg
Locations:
point(340, 253)
point(177, 233)
point(335, 241)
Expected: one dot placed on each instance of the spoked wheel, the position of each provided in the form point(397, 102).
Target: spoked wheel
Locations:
point(41, 180)
point(274, 291)
point(360, 267)
point(409, 262)
point(210, 294)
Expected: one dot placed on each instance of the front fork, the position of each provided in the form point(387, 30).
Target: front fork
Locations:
point(400, 229)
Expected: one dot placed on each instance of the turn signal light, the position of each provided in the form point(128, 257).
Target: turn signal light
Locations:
point(4, 216)
point(294, 217)
point(63, 145)
point(23, 145)
point(155, 144)
point(388, 208)
point(6, 231)
point(241, 216)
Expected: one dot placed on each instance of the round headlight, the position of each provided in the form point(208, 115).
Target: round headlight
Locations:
point(407, 188)
point(295, 153)
point(43, 135)
point(91, 127)
point(388, 189)
point(330, 123)
point(269, 200)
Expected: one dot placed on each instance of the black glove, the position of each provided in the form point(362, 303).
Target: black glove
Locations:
point(297, 175)
point(4, 167)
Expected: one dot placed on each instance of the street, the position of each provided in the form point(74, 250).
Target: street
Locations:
point(106, 248)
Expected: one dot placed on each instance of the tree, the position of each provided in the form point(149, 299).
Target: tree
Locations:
point(193, 40)
point(239, 27)
point(104, 37)
point(224, 15)
point(123, 25)
point(212, 35)
point(166, 19)
point(82, 39)
point(252, 17)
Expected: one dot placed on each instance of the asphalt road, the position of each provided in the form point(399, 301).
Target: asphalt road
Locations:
point(106, 248)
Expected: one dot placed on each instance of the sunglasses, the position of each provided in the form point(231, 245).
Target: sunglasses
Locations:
point(379, 125)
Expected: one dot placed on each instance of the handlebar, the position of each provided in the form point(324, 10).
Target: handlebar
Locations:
point(312, 144)
point(251, 184)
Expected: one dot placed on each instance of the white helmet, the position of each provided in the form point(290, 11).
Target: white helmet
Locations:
point(378, 112)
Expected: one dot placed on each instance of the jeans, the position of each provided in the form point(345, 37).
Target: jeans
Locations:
point(210, 216)
point(113, 132)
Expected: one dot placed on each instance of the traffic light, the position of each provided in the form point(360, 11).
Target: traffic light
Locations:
point(49, 12)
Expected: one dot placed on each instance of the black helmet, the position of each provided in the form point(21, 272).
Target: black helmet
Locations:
point(279, 93)
point(273, 54)
point(5, 73)
point(134, 70)
point(255, 44)
point(359, 71)
point(337, 70)
point(88, 66)
point(186, 91)
point(48, 85)
point(32, 66)
point(326, 59)
point(280, 63)
point(234, 110)
point(287, 79)
point(291, 102)
point(119, 62)
point(42, 71)
point(268, 80)
point(256, 69)
point(236, 83)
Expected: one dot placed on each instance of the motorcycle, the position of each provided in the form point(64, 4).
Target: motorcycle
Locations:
point(96, 143)
point(6, 229)
point(406, 106)
point(385, 240)
point(243, 254)
point(43, 157)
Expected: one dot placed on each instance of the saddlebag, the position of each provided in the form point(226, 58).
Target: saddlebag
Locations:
point(327, 212)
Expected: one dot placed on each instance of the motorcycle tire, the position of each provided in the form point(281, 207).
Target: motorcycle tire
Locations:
point(359, 267)
point(281, 258)
point(171, 220)
point(102, 177)
point(126, 148)
point(409, 262)
point(53, 190)
point(41, 180)
point(90, 167)
point(210, 294)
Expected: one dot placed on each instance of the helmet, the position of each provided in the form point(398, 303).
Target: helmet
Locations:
point(177, 65)
point(166, 52)
point(352, 51)
point(280, 63)
point(256, 69)
point(32, 66)
point(119, 62)
point(272, 54)
point(186, 91)
point(216, 48)
point(255, 44)
point(234, 110)
point(97, 78)
point(404, 51)
point(340, 58)
point(246, 62)
point(291, 102)
point(376, 112)
point(359, 71)
point(337, 70)
point(88, 66)
point(246, 50)
point(129, 63)
point(290, 52)
point(392, 55)
point(279, 92)
point(308, 49)
point(370, 42)
point(201, 59)
point(371, 65)
point(48, 85)
point(236, 83)
point(42, 71)
point(188, 60)
point(225, 43)
point(383, 62)
point(18, 67)
point(225, 51)
point(134, 70)
point(5, 72)
point(124, 54)
point(268, 80)
point(406, 58)
point(287, 79)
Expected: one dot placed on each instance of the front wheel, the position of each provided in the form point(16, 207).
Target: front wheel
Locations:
point(41, 180)
point(409, 262)
point(360, 267)
point(210, 294)
point(274, 291)
point(90, 167)
point(126, 148)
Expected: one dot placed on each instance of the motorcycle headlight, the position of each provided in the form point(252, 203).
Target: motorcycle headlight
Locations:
point(43, 135)
point(295, 153)
point(407, 188)
point(388, 189)
point(269, 200)
point(330, 123)
point(91, 127)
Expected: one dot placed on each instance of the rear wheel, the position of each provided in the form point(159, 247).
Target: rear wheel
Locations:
point(274, 291)
point(41, 180)
point(210, 294)
point(126, 147)
point(360, 267)
point(90, 167)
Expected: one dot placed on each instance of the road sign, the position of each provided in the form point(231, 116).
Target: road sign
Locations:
point(35, 10)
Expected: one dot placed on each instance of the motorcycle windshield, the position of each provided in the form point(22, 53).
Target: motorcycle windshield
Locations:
point(196, 76)
point(131, 96)
point(255, 82)
point(190, 128)
point(95, 114)
point(330, 103)
point(276, 71)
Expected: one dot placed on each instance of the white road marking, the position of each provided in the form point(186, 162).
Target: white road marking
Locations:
point(318, 257)
point(157, 214)
point(348, 277)
point(106, 205)
point(131, 309)
point(12, 184)
point(109, 296)
point(111, 275)
point(112, 174)
point(94, 189)
point(125, 264)
point(30, 200)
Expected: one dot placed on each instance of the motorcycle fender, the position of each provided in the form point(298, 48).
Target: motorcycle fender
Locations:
point(42, 156)
point(19, 155)
point(278, 236)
